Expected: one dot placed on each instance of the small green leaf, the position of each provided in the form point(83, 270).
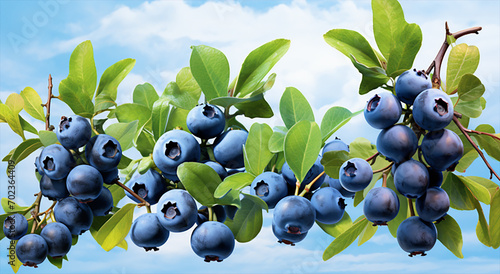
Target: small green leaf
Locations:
point(460, 197)
point(333, 120)
point(488, 143)
point(494, 220)
point(482, 228)
point(332, 160)
point(302, 146)
point(145, 164)
point(404, 50)
point(388, 23)
point(10, 206)
point(82, 69)
point(12, 119)
point(127, 113)
point(367, 233)
point(113, 76)
point(258, 64)
point(145, 143)
point(145, 94)
point(255, 108)
point(257, 200)
point(27, 126)
point(47, 137)
point(210, 68)
point(117, 192)
point(25, 149)
point(373, 77)
point(294, 107)
point(179, 98)
point(349, 43)
point(124, 133)
point(159, 117)
point(277, 139)
point(470, 88)
point(257, 149)
point(479, 191)
point(338, 228)
point(33, 103)
point(236, 182)
point(463, 59)
point(450, 235)
point(187, 84)
point(227, 101)
point(345, 239)
point(200, 181)
point(116, 228)
point(472, 109)
point(71, 92)
point(247, 221)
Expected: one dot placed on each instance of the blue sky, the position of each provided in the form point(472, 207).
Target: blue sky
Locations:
point(37, 38)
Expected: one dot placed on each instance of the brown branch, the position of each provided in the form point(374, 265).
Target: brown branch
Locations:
point(412, 210)
point(373, 157)
point(384, 168)
point(47, 105)
point(436, 64)
point(464, 131)
point(34, 213)
point(143, 202)
point(384, 179)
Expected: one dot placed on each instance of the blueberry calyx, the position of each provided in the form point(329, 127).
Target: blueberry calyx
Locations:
point(172, 150)
point(170, 210)
point(48, 163)
point(350, 169)
point(262, 189)
point(373, 103)
point(293, 230)
point(140, 189)
point(110, 149)
point(441, 106)
point(210, 258)
point(208, 111)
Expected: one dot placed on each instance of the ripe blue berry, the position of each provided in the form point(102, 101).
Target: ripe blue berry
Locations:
point(212, 241)
point(53, 189)
point(150, 186)
point(31, 250)
point(411, 83)
point(58, 238)
point(109, 177)
point(329, 205)
point(84, 182)
point(74, 132)
point(381, 205)
point(173, 148)
point(147, 232)
point(335, 183)
point(398, 143)
point(103, 204)
point(416, 236)
point(15, 226)
point(287, 238)
point(411, 179)
point(433, 109)
point(56, 161)
point(382, 110)
point(205, 121)
point(177, 210)
point(433, 205)
point(270, 187)
point(228, 148)
point(294, 214)
point(442, 149)
point(218, 168)
point(76, 216)
point(335, 145)
point(103, 152)
point(355, 174)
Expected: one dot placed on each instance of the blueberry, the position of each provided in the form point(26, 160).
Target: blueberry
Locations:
point(150, 186)
point(206, 121)
point(335, 145)
point(335, 183)
point(58, 238)
point(270, 187)
point(147, 232)
point(442, 149)
point(416, 236)
point(53, 189)
point(39, 166)
point(355, 174)
point(383, 110)
point(411, 83)
point(411, 179)
point(312, 173)
point(435, 177)
point(76, 216)
point(220, 214)
point(218, 168)
point(103, 204)
point(433, 109)
point(56, 161)
point(228, 148)
point(173, 148)
point(177, 210)
point(381, 205)
point(433, 205)
point(84, 182)
point(15, 226)
point(329, 205)
point(74, 132)
point(31, 250)
point(110, 176)
point(103, 152)
point(398, 143)
point(294, 214)
point(287, 238)
point(212, 241)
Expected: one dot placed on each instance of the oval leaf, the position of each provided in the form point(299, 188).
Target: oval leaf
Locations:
point(113, 76)
point(145, 95)
point(200, 181)
point(257, 148)
point(333, 120)
point(470, 88)
point(294, 107)
point(247, 221)
point(450, 235)
point(494, 220)
point(349, 43)
point(210, 68)
point(33, 103)
point(116, 228)
point(47, 137)
point(345, 239)
point(463, 60)
point(338, 228)
point(234, 182)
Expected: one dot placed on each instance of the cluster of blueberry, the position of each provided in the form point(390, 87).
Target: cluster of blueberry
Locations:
point(78, 190)
point(428, 111)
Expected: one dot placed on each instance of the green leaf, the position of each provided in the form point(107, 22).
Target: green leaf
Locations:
point(47, 137)
point(33, 103)
point(124, 133)
point(450, 235)
point(470, 88)
point(257, 149)
point(116, 228)
point(71, 92)
point(247, 221)
point(302, 146)
point(145, 164)
point(349, 43)
point(16, 264)
point(187, 84)
point(103, 101)
point(367, 233)
point(257, 200)
point(113, 76)
point(264, 86)
point(117, 192)
point(27, 126)
point(333, 120)
point(404, 50)
point(210, 68)
point(372, 77)
point(127, 113)
point(179, 98)
point(460, 197)
point(10, 206)
point(159, 117)
point(15, 102)
point(25, 149)
point(403, 213)
point(388, 23)
point(479, 191)
point(472, 109)
point(200, 181)
point(488, 143)
point(255, 109)
point(145, 143)
point(258, 64)
point(494, 220)
point(338, 228)
point(294, 107)
point(12, 119)
point(463, 59)
point(482, 228)
point(57, 262)
point(345, 239)
point(470, 154)
point(277, 140)
point(332, 160)
point(82, 69)
point(227, 101)
point(236, 181)
point(145, 95)
point(177, 118)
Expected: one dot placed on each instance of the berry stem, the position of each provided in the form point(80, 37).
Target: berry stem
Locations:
point(143, 202)
point(384, 168)
point(308, 186)
point(297, 186)
point(412, 210)
point(464, 131)
point(436, 64)
point(210, 214)
point(148, 209)
point(34, 213)
point(47, 105)
point(384, 179)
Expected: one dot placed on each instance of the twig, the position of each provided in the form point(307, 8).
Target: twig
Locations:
point(412, 210)
point(133, 194)
point(34, 213)
point(464, 131)
point(373, 157)
point(436, 64)
point(308, 186)
point(384, 168)
point(47, 105)
point(384, 179)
